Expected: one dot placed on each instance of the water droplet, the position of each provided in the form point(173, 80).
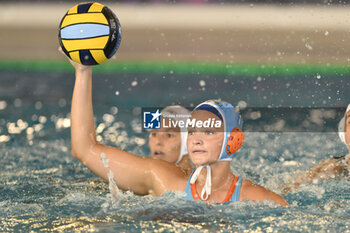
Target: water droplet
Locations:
point(114, 110)
point(242, 104)
point(38, 105)
point(62, 102)
point(3, 105)
point(4, 138)
point(308, 46)
point(17, 103)
point(42, 119)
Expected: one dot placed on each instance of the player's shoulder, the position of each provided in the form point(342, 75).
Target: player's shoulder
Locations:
point(165, 169)
point(248, 185)
point(252, 191)
point(167, 175)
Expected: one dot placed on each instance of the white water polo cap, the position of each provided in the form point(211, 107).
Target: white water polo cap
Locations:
point(232, 120)
point(233, 137)
point(178, 113)
point(341, 126)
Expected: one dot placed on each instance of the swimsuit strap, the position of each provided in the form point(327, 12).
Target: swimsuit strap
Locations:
point(228, 196)
point(232, 189)
point(194, 192)
point(235, 196)
point(206, 190)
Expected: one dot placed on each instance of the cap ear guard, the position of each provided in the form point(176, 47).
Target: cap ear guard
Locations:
point(233, 123)
point(234, 141)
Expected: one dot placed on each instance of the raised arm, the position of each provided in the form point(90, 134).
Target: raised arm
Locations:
point(130, 170)
point(140, 175)
point(83, 136)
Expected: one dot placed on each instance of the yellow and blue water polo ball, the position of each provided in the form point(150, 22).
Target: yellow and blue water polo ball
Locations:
point(90, 33)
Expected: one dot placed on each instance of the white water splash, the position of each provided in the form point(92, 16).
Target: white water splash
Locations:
point(116, 194)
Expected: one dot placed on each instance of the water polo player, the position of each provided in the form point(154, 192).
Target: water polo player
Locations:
point(145, 176)
point(170, 144)
point(336, 167)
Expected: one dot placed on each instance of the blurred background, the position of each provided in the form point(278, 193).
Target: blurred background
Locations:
point(265, 54)
point(249, 32)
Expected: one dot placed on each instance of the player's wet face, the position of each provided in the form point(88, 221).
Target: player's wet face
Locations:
point(165, 144)
point(204, 144)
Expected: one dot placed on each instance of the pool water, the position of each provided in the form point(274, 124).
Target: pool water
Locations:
point(43, 188)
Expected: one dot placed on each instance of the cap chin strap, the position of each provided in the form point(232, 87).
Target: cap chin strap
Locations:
point(206, 191)
point(183, 147)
